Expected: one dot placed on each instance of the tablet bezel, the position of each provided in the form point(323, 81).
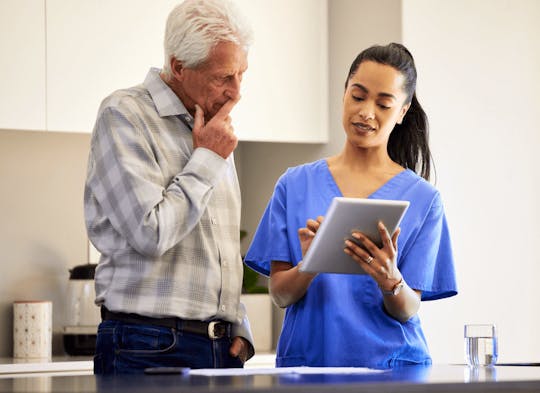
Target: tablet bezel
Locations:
point(326, 255)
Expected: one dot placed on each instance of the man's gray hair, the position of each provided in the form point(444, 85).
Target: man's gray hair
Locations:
point(195, 27)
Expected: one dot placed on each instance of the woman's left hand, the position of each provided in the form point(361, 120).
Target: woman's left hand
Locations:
point(379, 263)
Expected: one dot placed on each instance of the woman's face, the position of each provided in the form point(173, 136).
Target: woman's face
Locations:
point(373, 103)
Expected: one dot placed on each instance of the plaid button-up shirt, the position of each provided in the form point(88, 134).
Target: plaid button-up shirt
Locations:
point(165, 217)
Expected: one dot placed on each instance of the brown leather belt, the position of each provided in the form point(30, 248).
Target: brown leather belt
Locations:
point(213, 329)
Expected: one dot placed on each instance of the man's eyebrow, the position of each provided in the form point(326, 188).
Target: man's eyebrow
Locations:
point(365, 90)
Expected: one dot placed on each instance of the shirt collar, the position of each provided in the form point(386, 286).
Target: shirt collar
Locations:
point(166, 101)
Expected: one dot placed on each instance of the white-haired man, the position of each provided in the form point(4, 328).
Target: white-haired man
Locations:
point(162, 204)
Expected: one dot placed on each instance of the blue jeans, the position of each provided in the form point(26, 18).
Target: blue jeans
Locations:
point(125, 348)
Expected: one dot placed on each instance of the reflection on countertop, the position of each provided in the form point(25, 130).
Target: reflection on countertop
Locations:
point(406, 379)
point(58, 365)
point(83, 365)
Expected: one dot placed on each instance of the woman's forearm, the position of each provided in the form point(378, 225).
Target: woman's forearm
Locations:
point(404, 305)
point(288, 284)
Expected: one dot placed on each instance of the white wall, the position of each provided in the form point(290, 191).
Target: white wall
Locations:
point(479, 80)
point(42, 233)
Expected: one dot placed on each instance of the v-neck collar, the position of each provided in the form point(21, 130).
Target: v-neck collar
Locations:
point(386, 191)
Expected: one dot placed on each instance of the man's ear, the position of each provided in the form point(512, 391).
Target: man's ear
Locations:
point(177, 69)
point(404, 110)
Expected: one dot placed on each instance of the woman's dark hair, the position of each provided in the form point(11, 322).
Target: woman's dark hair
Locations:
point(408, 142)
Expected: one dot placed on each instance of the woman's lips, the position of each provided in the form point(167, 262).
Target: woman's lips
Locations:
point(363, 127)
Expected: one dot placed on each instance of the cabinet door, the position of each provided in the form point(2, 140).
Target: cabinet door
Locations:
point(285, 90)
point(22, 64)
point(95, 47)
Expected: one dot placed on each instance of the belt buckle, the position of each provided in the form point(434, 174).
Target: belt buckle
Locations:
point(212, 330)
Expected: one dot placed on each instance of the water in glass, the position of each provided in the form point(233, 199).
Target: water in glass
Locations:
point(481, 351)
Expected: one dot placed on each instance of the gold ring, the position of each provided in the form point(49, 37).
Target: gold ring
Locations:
point(369, 259)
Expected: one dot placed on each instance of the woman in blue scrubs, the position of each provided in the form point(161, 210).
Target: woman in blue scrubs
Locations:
point(361, 320)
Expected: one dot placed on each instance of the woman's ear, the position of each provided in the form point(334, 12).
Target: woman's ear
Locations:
point(403, 112)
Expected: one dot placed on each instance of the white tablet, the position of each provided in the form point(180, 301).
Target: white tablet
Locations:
point(345, 214)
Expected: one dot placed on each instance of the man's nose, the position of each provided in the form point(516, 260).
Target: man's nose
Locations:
point(233, 87)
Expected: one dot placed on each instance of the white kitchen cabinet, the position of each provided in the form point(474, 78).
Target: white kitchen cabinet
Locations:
point(22, 64)
point(61, 58)
point(285, 90)
point(95, 47)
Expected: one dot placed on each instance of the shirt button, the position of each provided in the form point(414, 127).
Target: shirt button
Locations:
point(213, 220)
point(223, 308)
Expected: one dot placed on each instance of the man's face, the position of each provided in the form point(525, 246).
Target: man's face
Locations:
point(214, 82)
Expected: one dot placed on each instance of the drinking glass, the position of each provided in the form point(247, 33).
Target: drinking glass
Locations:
point(480, 374)
point(481, 344)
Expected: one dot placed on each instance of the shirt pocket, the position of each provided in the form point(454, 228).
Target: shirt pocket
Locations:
point(366, 290)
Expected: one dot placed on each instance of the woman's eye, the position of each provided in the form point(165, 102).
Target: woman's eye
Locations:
point(356, 98)
point(384, 107)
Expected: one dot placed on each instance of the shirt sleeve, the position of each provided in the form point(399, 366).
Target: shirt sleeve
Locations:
point(270, 242)
point(243, 329)
point(150, 212)
point(429, 265)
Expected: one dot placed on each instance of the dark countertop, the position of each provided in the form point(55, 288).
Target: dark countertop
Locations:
point(437, 378)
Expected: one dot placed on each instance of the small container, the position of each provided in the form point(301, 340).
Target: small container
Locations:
point(32, 329)
point(481, 344)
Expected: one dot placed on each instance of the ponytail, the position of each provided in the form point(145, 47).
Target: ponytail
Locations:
point(408, 144)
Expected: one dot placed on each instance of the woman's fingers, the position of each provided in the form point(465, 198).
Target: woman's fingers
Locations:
point(366, 243)
point(394, 239)
point(307, 233)
point(377, 262)
point(306, 236)
point(314, 224)
point(385, 236)
point(358, 254)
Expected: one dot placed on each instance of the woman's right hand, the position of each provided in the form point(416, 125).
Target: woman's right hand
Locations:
point(307, 233)
point(287, 283)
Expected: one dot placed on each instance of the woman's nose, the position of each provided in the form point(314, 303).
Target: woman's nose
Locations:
point(367, 112)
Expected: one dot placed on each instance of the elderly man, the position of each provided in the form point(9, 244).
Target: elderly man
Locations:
point(162, 204)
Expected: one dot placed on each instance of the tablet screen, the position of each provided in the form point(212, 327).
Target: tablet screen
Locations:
point(344, 215)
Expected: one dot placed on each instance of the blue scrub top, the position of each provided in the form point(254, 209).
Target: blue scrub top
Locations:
point(341, 320)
